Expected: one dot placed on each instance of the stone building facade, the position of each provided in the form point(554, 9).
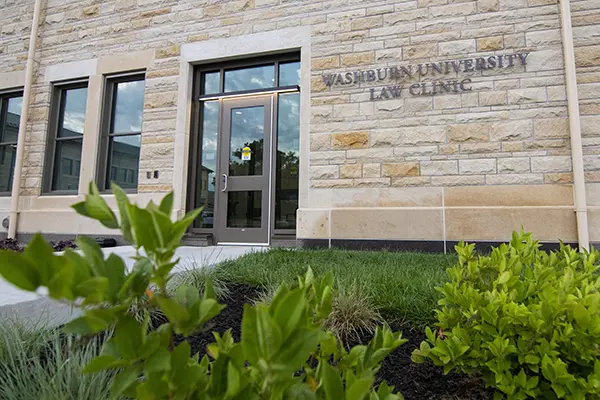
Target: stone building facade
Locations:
point(382, 159)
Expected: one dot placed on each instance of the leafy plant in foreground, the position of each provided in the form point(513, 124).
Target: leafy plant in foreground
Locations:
point(528, 320)
point(284, 351)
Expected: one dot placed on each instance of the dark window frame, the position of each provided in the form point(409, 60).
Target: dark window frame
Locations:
point(103, 175)
point(5, 96)
point(56, 116)
point(197, 117)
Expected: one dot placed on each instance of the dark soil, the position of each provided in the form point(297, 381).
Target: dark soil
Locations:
point(10, 244)
point(414, 381)
point(14, 245)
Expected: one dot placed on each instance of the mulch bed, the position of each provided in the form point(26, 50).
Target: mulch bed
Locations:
point(14, 245)
point(414, 381)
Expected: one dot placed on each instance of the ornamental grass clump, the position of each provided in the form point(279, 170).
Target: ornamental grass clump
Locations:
point(527, 320)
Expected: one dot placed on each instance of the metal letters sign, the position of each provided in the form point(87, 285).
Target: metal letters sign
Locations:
point(433, 70)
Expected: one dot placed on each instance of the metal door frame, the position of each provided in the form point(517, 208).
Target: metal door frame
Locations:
point(230, 236)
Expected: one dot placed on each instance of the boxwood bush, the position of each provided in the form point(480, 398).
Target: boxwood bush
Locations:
point(528, 320)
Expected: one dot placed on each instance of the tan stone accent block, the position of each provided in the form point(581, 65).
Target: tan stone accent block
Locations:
point(382, 223)
point(312, 224)
point(551, 128)
point(462, 133)
point(358, 24)
point(321, 63)
point(317, 84)
point(91, 11)
point(558, 178)
point(471, 148)
point(157, 139)
point(427, 3)
point(593, 176)
point(546, 144)
point(487, 5)
point(512, 146)
point(420, 51)
point(351, 140)
point(154, 13)
point(495, 98)
point(332, 183)
point(497, 224)
point(372, 170)
point(160, 100)
point(154, 188)
point(371, 182)
point(214, 10)
point(514, 179)
point(490, 43)
point(401, 169)
point(351, 171)
point(198, 37)
point(411, 181)
point(527, 195)
point(166, 52)
point(449, 149)
point(349, 60)
point(162, 73)
point(533, 3)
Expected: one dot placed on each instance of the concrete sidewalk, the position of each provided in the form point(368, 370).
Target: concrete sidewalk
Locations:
point(26, 306)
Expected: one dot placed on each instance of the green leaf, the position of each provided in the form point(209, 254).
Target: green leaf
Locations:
point(332, 383)
point(122, 202)
point(41, 254)
point(96, 208)
point(115, 273)
point(92, 254)
point(233, 381)
point(581, 315)
point(504, 277)
point(102, 363)
point(93, 289)
point(19, 271)
point(143, 228)
point(249, 334)
point(127, 337)
point(159, 361)
point(290, 311)
point(174, 312)
point(359, 389)
point(94, 321)
point(124, 380)
point(166, 204)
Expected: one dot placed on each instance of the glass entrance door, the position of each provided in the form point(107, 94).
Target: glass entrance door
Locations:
point(245, 170)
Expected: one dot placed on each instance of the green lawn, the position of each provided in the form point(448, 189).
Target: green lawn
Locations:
point(400, 284)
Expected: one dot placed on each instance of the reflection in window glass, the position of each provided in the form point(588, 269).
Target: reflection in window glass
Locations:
point(288, 152)
point(10, 117)
point(124, 132)
point(250, 78)
point(129, 104)
point(247, 136)
point(244, 209)
point(124, 154)
point(289, 74)
point(205, 180)
point(66, 154)
point(73, 112)
point(212, 82)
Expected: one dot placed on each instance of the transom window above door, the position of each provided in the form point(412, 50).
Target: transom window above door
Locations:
point(277, 74)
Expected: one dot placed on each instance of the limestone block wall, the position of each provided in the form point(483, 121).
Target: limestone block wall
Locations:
point(471, 164)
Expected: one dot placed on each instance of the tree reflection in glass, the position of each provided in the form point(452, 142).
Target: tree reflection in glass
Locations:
point(247, 130)
point(288, 161)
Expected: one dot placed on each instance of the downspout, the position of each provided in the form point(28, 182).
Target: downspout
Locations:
point(574, 127)
point(16, 188)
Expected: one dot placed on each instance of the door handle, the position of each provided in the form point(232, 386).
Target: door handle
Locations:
point(224, 183)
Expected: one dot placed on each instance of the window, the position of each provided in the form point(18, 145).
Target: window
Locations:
point(122, 129)
point(10, 118)
point(67, 120)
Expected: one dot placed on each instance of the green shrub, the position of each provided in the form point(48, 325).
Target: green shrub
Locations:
point(528, 320)
point(284, 351)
